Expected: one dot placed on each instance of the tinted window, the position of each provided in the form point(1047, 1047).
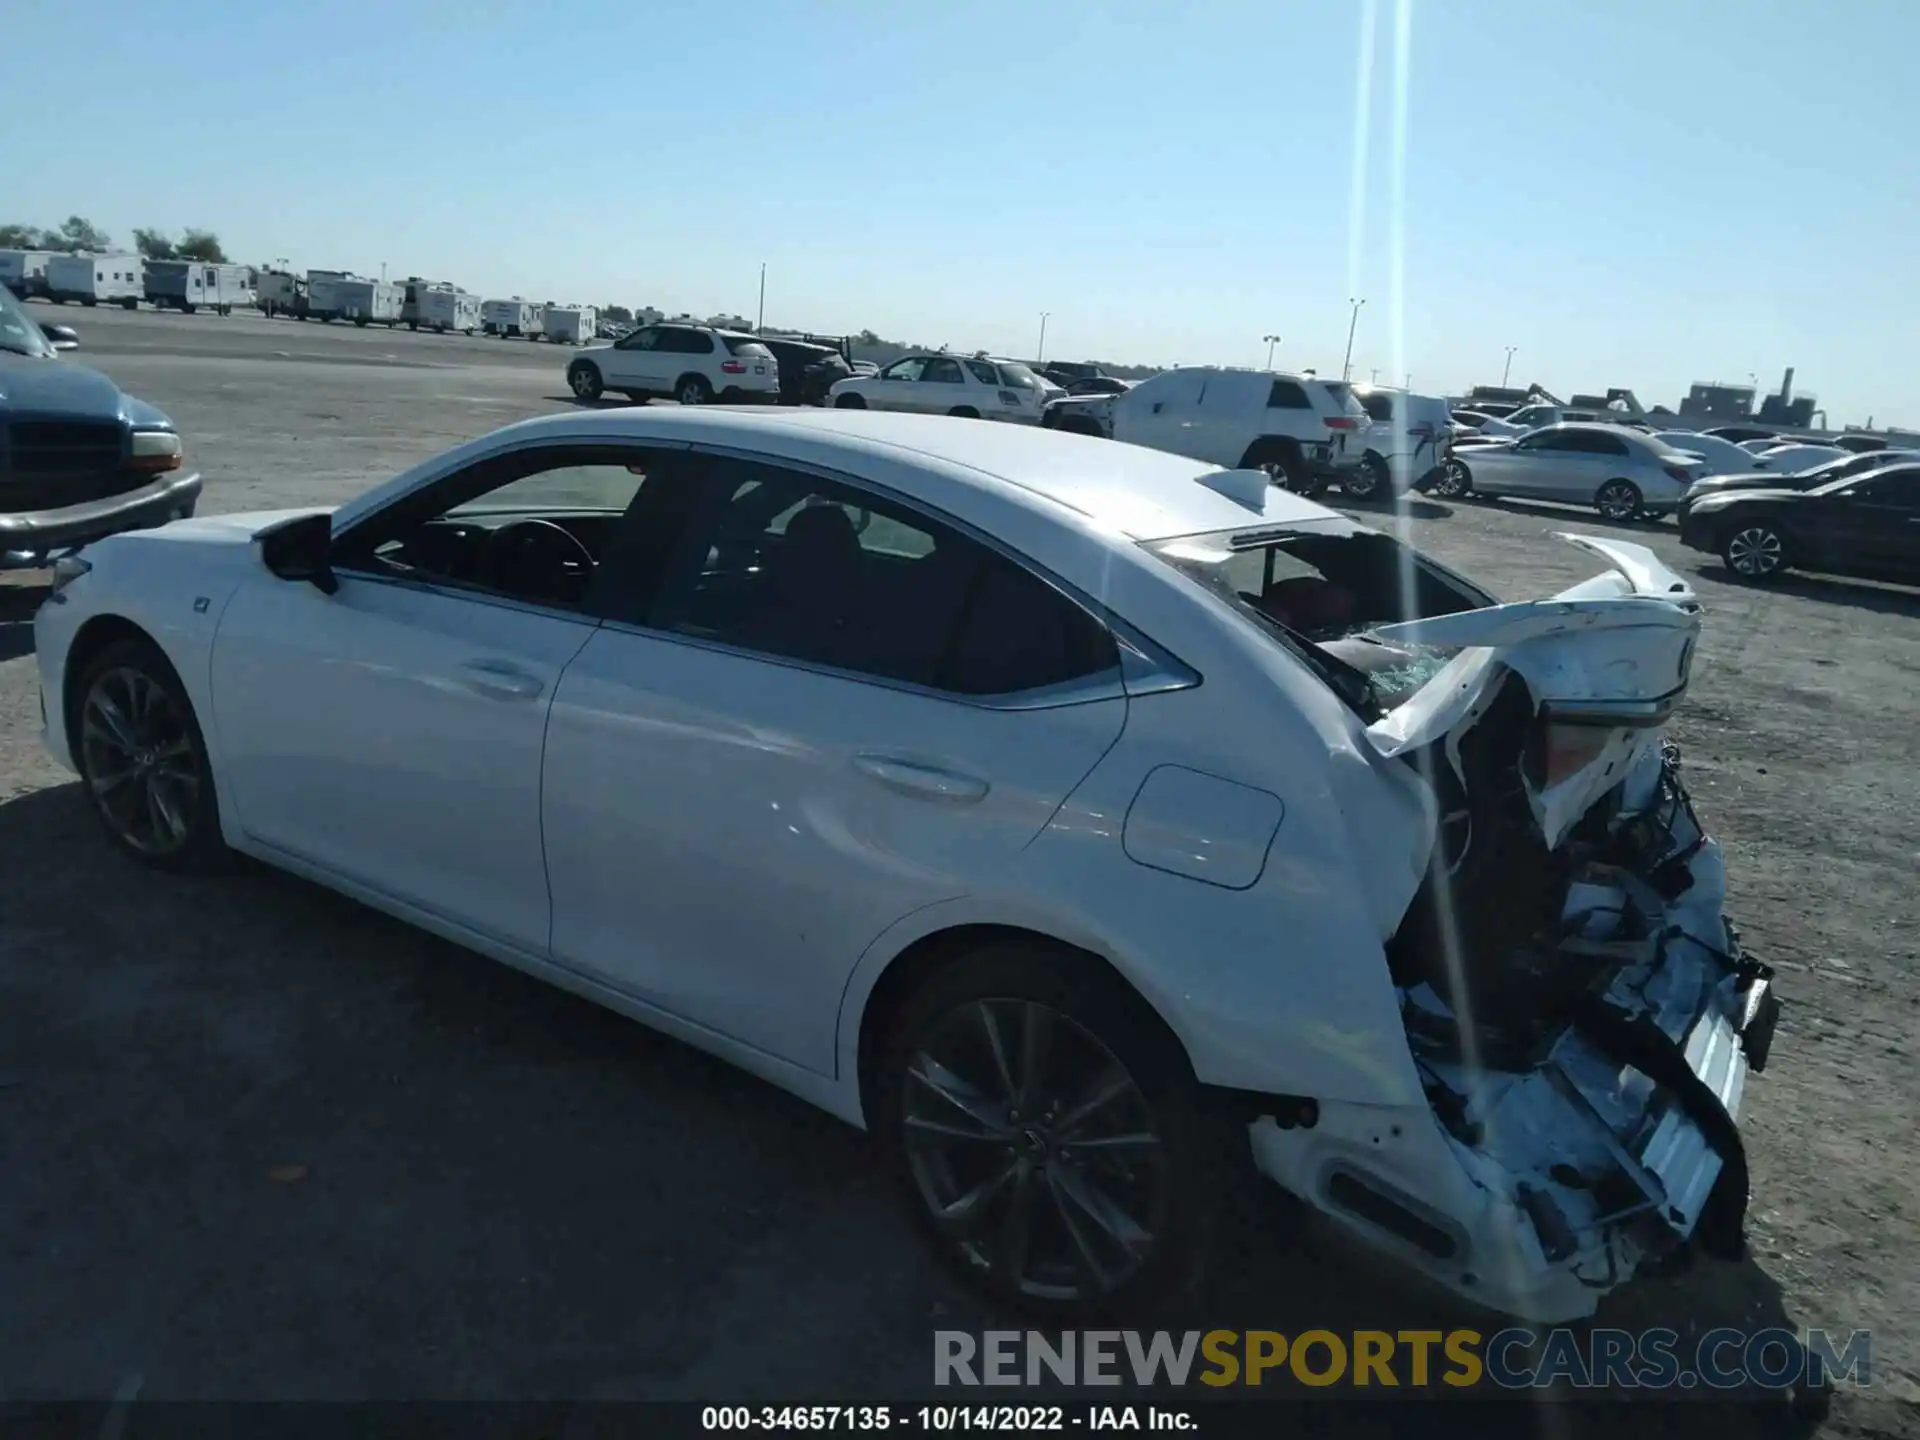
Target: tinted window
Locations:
point(941, 370)
point(983, 372)
point(1899, 489)
point(648, 339)
point(1378, 407)
point(811, 570)
point(1286, 395)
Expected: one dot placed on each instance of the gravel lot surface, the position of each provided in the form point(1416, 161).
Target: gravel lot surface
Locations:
point(258, 1142)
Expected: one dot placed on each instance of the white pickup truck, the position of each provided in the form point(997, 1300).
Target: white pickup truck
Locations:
point(1303, 430)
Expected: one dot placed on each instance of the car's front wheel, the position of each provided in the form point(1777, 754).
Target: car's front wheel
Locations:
point(1755, 552)
point(583, 378)
point(849, 402)
point(1043, 1125)
point(1453, 481)
point(1618, 500)
point(140, 753)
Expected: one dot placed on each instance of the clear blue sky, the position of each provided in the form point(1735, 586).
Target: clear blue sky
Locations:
point(1635, 192)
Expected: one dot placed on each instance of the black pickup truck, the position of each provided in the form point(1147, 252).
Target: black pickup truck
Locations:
point(79, 460)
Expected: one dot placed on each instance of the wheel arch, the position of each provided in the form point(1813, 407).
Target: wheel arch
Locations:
point(686, 375)
point(1279, 445)
point(888, 975)
point(94, 636)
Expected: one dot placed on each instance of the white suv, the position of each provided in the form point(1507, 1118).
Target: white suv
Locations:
point(1303, 429)
point(694, 364)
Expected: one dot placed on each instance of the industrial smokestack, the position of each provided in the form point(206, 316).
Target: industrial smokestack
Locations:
point(1786, 386)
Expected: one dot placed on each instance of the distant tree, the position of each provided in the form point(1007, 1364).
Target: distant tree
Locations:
point(866, 337)
point(154, 244)
point(202, 245)
point(22, 237)
point(78, 233)
point(619, 314)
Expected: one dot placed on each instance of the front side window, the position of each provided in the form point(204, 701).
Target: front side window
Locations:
point(536, 525)
point(802, 568)
point(907, 369)
point(648, 339)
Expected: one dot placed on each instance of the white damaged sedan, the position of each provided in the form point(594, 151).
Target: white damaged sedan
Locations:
point(1082, 820)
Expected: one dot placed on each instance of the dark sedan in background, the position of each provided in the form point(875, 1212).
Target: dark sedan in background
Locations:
point(1864, 525)
point(1825, 473)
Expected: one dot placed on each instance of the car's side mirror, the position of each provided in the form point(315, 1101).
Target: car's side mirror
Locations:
point(61, 337)
point(301, 549)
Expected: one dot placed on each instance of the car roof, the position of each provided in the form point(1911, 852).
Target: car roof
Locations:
point(1141, 494)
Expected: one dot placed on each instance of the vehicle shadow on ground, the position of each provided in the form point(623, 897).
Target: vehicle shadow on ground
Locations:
point(1832, 590)
point(1407, 507)
point(308, 1103)
point(17, 604)
point(605, 402)
point(1574, 516)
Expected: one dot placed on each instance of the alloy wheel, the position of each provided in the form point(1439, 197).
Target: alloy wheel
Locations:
point(1755, 551)
point(1034, 1150)
point(140, 762)
point(584, 383)
point(691, 394)
point(1452, 480)
point(1617, 500)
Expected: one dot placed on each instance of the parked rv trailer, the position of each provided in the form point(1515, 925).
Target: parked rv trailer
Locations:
point(569, 324)
point(347, 297)
point(281, 292)
point(94, 279)
point(24, 271)
point(187, 285)
point(511, 317)
point(445, 310)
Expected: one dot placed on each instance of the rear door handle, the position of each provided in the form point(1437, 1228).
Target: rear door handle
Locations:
point(499, 680)
point(929, 782)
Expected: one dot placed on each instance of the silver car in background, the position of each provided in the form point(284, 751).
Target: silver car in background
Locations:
point(1619, 472)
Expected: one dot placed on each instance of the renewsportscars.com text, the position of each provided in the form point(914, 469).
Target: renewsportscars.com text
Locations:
point(1518, 1358)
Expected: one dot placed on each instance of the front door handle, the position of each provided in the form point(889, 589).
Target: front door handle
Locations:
point(929, 782)
point(498, 680)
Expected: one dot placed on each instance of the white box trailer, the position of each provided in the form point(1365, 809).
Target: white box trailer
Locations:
point(281, 292)
point(512, 317)
point(24, 271)
point(189, 285)
point(445, 310)
point(93, 279)
point(569, 324)
point(347, 297)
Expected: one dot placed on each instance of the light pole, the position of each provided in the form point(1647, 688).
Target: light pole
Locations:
point(1272, 340)
point(1373, 376)
point(760, 320)
point(1509, 370)
point(1041, 354)
point(1346, 366)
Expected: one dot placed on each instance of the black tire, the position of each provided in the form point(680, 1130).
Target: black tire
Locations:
point(849, 402)
point(413, 325)
point(1080, 426)
point(583, 378)
point(88, 301)
point(693, 390)
point(1146, 1158)
point(1756, 552)
point(1620, 501)
point(964, 412)
point(637, 397)
point(361, 321)
point(1454, 480)
point(165, 754)
point(186, 309)
point(1369, 480)
point(131, 304)
point(1285, 464)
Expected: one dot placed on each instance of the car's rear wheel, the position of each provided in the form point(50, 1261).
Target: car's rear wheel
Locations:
point(1618, 500)
point(1369, 479)
point(1453, 481)
point(693, 390)
point(1285, 464)
point(964, 412)
point(849, 402)
point(1044, 1127)
point(140, 753)
point(1755, 552)
point(583, 378)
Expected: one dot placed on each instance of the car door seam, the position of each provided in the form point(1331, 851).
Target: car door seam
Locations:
point(540, 796)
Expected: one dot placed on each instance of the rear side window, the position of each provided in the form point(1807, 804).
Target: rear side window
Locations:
point(983, 372)
point(1286, 395)
point(1378, 407)
point(801, 568)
